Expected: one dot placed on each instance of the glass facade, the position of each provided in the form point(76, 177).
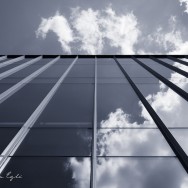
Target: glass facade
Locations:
point(94, 121)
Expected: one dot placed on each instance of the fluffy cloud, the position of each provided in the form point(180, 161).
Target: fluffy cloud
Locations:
point(144, 172)
point(140, 173)
point(121, 30)
point(88, 29)
point(60, 26)
point(95, 31)
point(88, 32)
point(186, 4)
point(81, 171)
point(170, 42)
point(168, 104)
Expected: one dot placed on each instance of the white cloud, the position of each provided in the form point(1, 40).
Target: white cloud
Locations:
point(186, 4)
point(95, 31)
point(81, 171)
point(89, 29)
point(121, 30)
point(60, 26)
point(88, 32)
point(168, 104)
point(170, 41)
point(141, 172)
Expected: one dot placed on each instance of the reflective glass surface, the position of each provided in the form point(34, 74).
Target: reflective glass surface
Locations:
point(155, 172)
point(71, 103)
point(171, 108)
point(6, 135)
point(134, 69)
point(166, 72)
point(83, 68)
point(119, 106)
point(15, 64)
point(132, 142)
point(56, 142)
point(181, 135)
point(21, 105)
point(48, 172)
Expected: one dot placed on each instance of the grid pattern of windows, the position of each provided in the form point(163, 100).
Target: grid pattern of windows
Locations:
point(93, 121)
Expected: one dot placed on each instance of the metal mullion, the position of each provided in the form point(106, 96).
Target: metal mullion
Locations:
point(175, 88)
point(3, 58)
point(11, 61)
point(183, 158)
point(9, 92)
point(182, 72)
point(19, 67)
point(22, 133)
point(94, 143)
point(177, 60)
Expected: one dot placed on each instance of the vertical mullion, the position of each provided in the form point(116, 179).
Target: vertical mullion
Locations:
point(9, 92)
point(182, 72)
point(11, 61)
point(177, 60)
point(3, 58)
point(22, 133)
point(183, 158)
point(19, 67)
point(175, 88)
point(94, 146)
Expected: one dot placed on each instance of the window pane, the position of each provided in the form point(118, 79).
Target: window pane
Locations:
point(6, 135)
point(119, 106)
point(56, 142)
point(3, 69)
point(166, 72)
point(72, 103)
point(171, 108)
point(141, 172)
point(181, 135)
point(57, 69)
point(134, 69)
point(48, 172)
point(109, 71)
point(132, 142)
point(83, 70)
point(5, 86)
point(21, 105)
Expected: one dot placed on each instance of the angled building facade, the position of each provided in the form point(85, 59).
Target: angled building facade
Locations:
point(99, 121)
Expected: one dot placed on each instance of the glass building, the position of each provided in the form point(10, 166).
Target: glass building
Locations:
point(94, 121)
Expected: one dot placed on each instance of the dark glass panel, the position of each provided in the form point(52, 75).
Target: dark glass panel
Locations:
point(6, 135)
point(175, 64)
point(109, 71)
point(28, 70)
point(105, 61)
point(135, 70)
point(57, 69)
point(21, 105)
point(8, 67)
point(83, 70)
point(56, 142)
point(164, 71)
point(47, 172)
point(5, 86)
point(111, 80)
point(71, 103)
